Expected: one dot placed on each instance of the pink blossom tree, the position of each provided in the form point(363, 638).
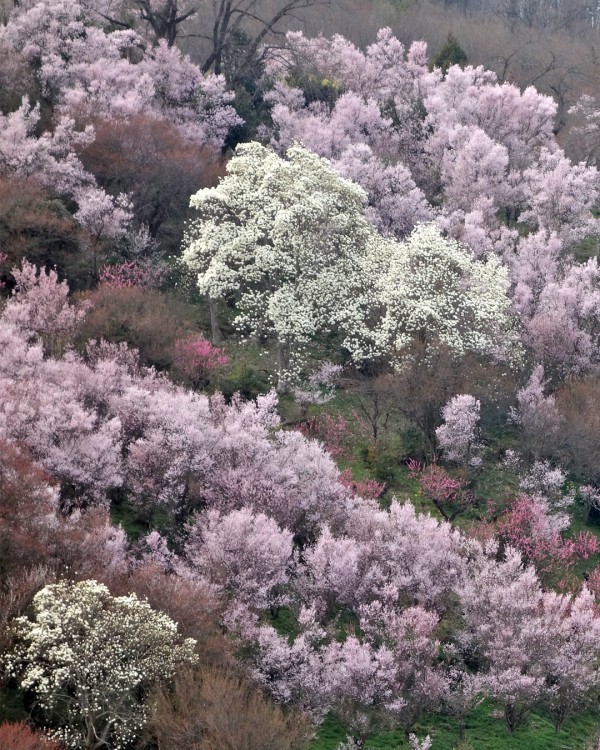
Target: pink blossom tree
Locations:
point(40, 307)
point(50, 158)
point(562, 330)
point(130, 273)
point(449, 494)
point(337, 572)
point(458, 435)
point(500, 604)
point(410, 651)
point(536, 413)
point(415, 554)
point(197, 360)
point(87, 68)
point(570, 662)
point(245, 555)
point(560, 196)
point(530, 528)
point(475, 147)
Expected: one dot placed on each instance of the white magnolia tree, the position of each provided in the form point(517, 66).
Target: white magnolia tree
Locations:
point(90, 659)
point(435, 290)
point(290, 241)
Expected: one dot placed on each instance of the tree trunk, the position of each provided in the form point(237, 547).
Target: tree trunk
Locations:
point(283, 362)
point(217, 336)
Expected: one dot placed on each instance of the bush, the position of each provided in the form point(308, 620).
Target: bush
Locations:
point(146, 319)
point(20, 737)
point(213, 708)
point(34, 226)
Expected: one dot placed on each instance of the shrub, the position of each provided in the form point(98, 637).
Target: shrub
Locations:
point(234, 714)
point(19, 736)
point(146, 319)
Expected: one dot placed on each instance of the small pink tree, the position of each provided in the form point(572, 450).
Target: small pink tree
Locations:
point(369, 489)
point(529, 528)
point(331, 430)
point(449, 495)
point(197, 360)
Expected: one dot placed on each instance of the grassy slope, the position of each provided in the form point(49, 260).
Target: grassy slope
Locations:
point(483, 732)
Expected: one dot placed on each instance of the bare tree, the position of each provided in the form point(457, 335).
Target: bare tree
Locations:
point(375, 398)
point(164, 17)
point(226, 27)
point(255, 21)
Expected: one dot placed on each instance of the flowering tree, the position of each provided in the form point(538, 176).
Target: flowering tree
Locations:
point(130, 273)
point(560, 196)
point(319, 387)
point(40, 308)
point(434, 290)
point(415, 558)
point(482, 152)
point(40, 407)
point(332, 430)
point(562, 328)
point(50, 160)
point(335, 572)
point(197, 359)
point(410, 652)
point(525, 636)
point(289, 238)
point(90, 658)
point(530, 528)
point(501, 604)
point(457, 436)
point(536, 413)
point(87, 69)
point(245, 555)
point(449, 495)
point(571, 663)
point(546, 484)
point(396, 204)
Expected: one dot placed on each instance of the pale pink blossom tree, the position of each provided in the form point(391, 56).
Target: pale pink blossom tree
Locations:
point(88, 69)
point(245, 555)
point(536, 413)
point(40, 307)
point(458, 435)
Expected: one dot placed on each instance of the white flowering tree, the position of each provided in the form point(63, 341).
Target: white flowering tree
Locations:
point(90, 659)
point(457, 436)
point(435, 290)
point(289, 240)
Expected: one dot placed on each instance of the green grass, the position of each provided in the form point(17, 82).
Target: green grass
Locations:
point(285, 623)
point(586, 249)
point(126, 516)
point(484, 731)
